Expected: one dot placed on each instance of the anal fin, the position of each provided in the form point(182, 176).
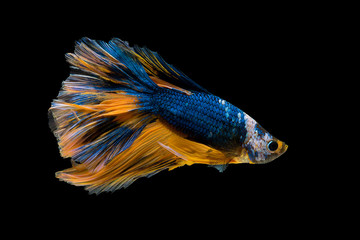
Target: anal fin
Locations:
point(144, 158)
point(196, 153)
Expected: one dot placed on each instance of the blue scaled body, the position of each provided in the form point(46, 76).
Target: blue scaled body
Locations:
point(201, 117)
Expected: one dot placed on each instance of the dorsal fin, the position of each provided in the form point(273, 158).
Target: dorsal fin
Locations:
point(157, 68)
point(155, 65)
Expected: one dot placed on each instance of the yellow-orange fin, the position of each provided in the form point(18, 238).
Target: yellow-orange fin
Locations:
point(196, 153)
point(145, 157)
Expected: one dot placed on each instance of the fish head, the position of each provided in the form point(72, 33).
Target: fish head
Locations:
point(260, 146)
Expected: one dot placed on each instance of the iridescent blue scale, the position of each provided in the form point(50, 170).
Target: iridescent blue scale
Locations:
point(202, 117)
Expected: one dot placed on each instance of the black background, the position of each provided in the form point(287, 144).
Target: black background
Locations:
point(267, 64)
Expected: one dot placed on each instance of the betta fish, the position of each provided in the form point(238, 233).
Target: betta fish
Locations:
point(124, 113)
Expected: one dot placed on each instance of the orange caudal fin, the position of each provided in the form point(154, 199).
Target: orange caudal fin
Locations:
point(103, 105)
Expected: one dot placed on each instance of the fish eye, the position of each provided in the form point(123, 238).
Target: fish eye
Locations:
point(272, 146)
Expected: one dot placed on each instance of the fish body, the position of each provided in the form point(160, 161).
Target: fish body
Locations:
point(124, 113)
point(202, 117)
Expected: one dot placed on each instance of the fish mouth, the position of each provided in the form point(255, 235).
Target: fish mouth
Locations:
point(283, 149)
